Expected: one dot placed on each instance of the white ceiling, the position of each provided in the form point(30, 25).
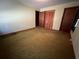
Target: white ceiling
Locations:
point(44, 3)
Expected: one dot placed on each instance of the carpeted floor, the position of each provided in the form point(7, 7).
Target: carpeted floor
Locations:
point(37, 43)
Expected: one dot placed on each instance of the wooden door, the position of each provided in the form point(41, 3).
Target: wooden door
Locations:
point(41, 19)
point(49, 16)
point(68, 17)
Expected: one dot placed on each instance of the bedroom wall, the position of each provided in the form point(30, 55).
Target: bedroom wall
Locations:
point(59, 10)
point(75, 39)
point(75, 42)
point(15, 17)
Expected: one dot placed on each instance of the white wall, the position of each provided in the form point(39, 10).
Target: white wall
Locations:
point(59, 9)
point(15, 17)
point(75, 41)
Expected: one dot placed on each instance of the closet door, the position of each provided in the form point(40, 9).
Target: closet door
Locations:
point(49, 16)
point(41, 19)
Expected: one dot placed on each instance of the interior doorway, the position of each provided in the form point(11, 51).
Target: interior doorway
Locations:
point(37, 18)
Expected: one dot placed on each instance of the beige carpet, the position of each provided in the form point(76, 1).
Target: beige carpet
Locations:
point(37, 43)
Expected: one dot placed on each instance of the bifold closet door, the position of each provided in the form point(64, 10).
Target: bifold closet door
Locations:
point(41, 19)
point(49, 16)
point(46, 19)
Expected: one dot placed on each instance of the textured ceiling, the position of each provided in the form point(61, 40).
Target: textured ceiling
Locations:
point(42, 3)
point(37, 4)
